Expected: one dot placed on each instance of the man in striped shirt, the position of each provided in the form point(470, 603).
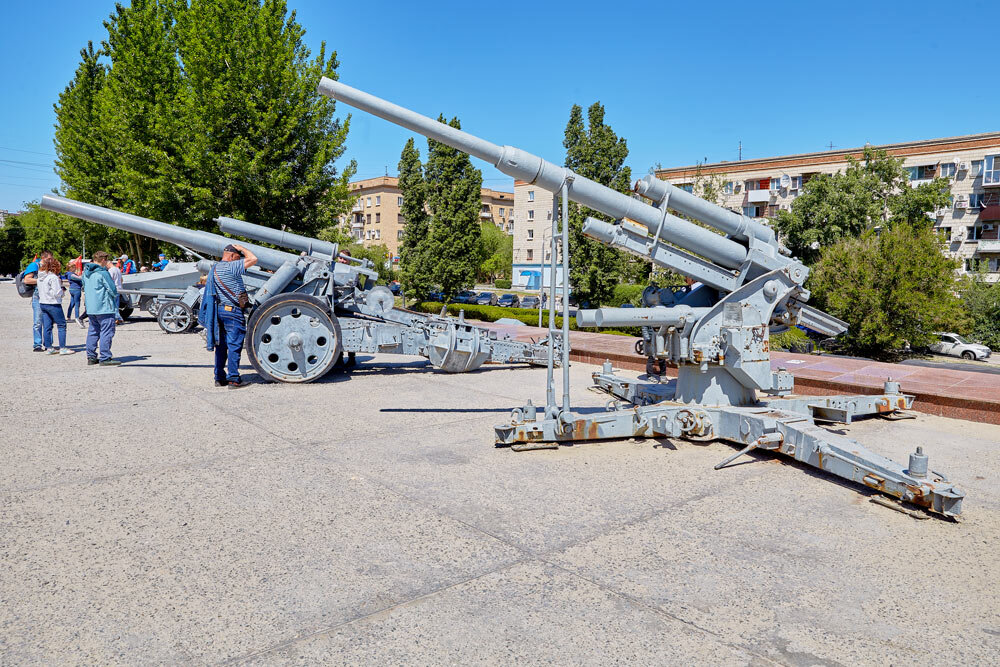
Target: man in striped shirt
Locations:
point(232, 328)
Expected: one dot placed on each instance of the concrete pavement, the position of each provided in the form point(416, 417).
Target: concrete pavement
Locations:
point(146, 516)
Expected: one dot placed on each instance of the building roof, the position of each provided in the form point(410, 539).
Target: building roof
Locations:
point(904, 149)
point(393, 182)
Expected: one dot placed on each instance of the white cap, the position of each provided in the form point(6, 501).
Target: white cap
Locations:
point(123, 257)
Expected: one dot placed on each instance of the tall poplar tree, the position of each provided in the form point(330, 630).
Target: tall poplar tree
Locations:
point(454, 196)
point(412, 253)
point(596, 152)
point(191, 110)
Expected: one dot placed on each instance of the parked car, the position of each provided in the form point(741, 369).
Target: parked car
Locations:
point(486, 299)
point(530, 301)
point(509, 301)
point(465, 296)
point(953, 345)
point(436, 296)
point(395, 288)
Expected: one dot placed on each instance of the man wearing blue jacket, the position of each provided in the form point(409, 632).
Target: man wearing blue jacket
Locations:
point(101, 296)
point(162, 264)
point(222, 316)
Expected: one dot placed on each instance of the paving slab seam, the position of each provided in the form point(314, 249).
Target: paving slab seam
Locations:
point(327, 630)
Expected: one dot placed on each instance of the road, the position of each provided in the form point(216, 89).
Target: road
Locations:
point(146, 516)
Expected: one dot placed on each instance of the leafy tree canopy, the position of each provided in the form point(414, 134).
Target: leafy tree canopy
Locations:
point(872, 191)
point(192, 110)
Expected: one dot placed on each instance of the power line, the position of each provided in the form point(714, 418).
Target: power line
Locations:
point(21, 150)
point(37, 164)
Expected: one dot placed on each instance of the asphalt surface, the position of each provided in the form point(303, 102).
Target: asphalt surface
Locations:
point(148, 517)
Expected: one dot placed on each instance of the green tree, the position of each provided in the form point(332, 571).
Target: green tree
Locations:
point(872, 191)
point(595, 152)
point(981, 300)
point(12, 248)
point(413, 262)
point(892, 286)
point(203, 109)
point(496, 253)
point(62, 235)
point(454, 197)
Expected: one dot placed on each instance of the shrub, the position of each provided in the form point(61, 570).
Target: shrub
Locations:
point(627, 294)
point(501, 283)
point(527, 315)
point(793, 339)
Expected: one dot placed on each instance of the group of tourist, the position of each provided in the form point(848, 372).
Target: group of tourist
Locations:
point(98, 282)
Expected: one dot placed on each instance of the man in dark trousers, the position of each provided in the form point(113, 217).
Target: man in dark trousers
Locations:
point(226, 328)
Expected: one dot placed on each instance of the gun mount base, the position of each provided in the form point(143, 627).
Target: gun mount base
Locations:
point(293, 338)
point(784, 425)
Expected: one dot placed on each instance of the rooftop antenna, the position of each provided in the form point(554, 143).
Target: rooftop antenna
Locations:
point(830, 146)
point(740, 156)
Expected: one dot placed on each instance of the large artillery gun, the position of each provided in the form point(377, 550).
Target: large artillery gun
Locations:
point(717, 335)
point(311, 308)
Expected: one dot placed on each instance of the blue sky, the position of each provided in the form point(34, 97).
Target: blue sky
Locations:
point(682, 82)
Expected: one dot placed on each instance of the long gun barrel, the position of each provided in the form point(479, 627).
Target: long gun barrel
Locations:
point(527, 167)
point(203, 242)
point(277, 237)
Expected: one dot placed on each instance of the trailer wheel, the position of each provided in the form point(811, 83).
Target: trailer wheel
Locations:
point(175, 317)
point(293, 338)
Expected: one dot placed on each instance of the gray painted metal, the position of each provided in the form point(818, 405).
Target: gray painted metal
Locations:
point(312, 308)
point(277, 237)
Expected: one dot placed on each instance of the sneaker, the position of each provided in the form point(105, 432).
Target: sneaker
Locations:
point(65, 351)
point(221, 383)
point(38, 349)
point(238, 385)
point(110, 362)
point(53, 350)
point(83, 325)
point(92, 361)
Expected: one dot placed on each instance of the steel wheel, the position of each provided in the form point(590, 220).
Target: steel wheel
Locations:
point(293, 338)
point(175, 317)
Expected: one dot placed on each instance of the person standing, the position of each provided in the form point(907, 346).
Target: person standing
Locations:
point(115, 272)
point(30, 277)
point(222, 313)
point(50, 295)
point(101, 298)
point(127, 265)
point(73, 272)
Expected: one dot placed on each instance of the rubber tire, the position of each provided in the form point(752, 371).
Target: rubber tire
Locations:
point(970, 356)
point(192, 318)
point(265, 309)
point(640, 347)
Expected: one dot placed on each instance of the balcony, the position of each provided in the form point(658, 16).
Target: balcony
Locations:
point(758, 196)
point(991, 171)
point(486, 215)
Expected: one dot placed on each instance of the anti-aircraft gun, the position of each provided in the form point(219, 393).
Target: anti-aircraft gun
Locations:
point(717, 335)
point(310, 309)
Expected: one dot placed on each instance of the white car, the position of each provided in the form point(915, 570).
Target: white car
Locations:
point(954, 345)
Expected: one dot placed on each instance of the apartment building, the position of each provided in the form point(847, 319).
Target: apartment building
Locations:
point(761, 187)
point(532, 236)
point(376, 218)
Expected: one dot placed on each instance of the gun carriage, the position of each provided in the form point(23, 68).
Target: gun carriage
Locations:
point(311, 308)
point(717, 335)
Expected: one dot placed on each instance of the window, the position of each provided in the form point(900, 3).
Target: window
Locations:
point(922, 172)
point(727, 188)
point(971, 264)
point(975, 232)
point(531, 254)
point(378, 218)
point(977, 168)
point(772, 210)
point(948, 169)
point(399, 235)
point(378, 200)
point(501, 211)
point(399, 201)
point(399, 219)
point(796, 182)
point(369, 218)
point(686, 187)
point(775, 184)
point(749, 185)
point(369, 202)
point(945, 233)
point(531, 215)
point(531, 234)
point(751, 211)
point(991, 171)
point(976, 200)
point(531, 195)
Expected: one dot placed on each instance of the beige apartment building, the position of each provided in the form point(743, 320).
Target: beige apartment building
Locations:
point(761, 187)
point(532, 235)
point(375, 218)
